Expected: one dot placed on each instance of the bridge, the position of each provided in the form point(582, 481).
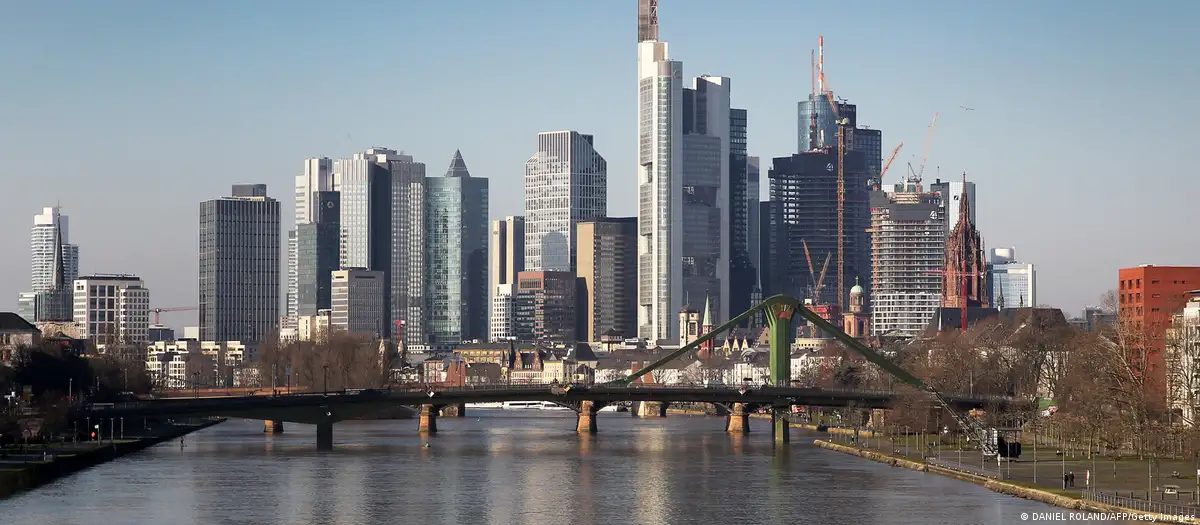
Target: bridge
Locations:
point(323, 409)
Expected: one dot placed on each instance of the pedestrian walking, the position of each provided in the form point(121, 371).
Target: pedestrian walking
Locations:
point(1071, 479)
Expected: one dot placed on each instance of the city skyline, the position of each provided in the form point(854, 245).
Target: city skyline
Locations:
point(1022, 180)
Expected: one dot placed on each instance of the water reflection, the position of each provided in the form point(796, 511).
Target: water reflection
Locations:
point(501, 468)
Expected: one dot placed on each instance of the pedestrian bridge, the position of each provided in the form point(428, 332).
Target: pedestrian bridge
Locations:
point(325, 409)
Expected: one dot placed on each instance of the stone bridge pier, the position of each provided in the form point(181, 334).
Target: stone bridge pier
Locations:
point(428, 420)
point(739, 419)
point(586, 424)
point(649, 409)
point(455, 410)
point(273, 426)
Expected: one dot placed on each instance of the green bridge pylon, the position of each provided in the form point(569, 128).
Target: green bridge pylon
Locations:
point(779, 311)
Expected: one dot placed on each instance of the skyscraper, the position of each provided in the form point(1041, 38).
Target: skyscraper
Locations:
point(949, 193)
point(566, 181)
point(382, 220)
point(317, 176)
point(54, 265)
point(753, 217)
point(456, 229)
point(707, 203)
point(660, 181)
point(357, 301)
point(318, 252)
point(239, 266)
point(803, 211)
point(908, 251)
point(608, 271)
point(743, 274)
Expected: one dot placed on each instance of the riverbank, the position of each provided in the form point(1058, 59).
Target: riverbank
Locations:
point(34, 466)
point(1063, 500)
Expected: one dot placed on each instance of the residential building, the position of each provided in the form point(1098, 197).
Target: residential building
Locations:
point(239, 266)
point(112, 308)
point(187, 363)
point(545, 306)
point(357, 303)
point(318, 243)
point(803, 211)
point(607, 269)
point(316, 327)
point(456, 242)
point(54, 265)
point(16, 333)
point(317, 176)
point(1014, 283)
point(1148, 296)
point(504, 313)
point(566, 181)
point(908, 248)
point(1182, 341)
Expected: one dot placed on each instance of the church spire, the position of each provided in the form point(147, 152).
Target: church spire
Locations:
point(707, 322)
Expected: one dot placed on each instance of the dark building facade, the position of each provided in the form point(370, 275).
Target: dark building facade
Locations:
point(456, 243)
point(742, 273)
point(318, 253)
point(607, 271)
point(545, 306)
point(239, 266)
point(803, 210)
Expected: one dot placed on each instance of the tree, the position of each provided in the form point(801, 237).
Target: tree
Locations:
point(1183, 368)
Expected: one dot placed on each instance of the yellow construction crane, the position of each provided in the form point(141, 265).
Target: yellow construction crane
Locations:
point(928, 144)
point(888, 164)
point(818, 280)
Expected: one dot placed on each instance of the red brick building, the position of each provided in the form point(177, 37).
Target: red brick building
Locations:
point(1147, 297)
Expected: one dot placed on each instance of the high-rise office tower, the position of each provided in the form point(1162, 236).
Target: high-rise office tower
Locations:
point(456, 240)
point(660, 181)
point(54, 265)
point(545, 307)
point(357, 301)
point(112, 308)
point(950, 192)
point(1014, 283)
point(742, 271)
point(566, 182)
point(803, 211)
point(507, 254)
point(607, 267)
point(318, 250)
point(239, 266)
point(383, 228)
point(317, 176)
point(908, 251)
point(709, 144)
point(817, 122)
point(753, 216)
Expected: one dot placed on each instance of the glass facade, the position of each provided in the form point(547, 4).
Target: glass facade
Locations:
point(456, 236)
point(566, 181)
point(1014, 285)
point(317, 248)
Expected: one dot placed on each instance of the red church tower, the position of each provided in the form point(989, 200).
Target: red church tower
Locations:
point(964, 280)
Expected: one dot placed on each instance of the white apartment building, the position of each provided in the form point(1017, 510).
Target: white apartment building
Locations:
point(503, 316)
point(112, 308)
point(566, 182)
point(212, 363)
point(357, 298)
point(1183, 361)
point(312, 327)
point(908, 250)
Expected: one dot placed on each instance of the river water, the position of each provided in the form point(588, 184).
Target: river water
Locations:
point(500, 467)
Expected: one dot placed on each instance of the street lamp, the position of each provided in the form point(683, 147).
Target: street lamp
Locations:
point(196, 384)
point(325, 376)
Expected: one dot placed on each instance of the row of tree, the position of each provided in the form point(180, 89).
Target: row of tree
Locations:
point(334, 361)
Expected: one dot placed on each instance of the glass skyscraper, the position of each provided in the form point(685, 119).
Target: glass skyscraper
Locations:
point(317, 250)
point(566, 182)
point(1014, 284)
point(456, 240)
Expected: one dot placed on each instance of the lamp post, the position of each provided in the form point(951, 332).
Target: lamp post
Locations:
point(325, 376)
point(196, 384)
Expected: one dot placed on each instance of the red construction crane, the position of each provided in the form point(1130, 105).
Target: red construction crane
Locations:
point(962, 278)
point(887, 165)
point(172, 309)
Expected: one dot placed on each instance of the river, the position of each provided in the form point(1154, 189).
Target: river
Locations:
point(500, 467)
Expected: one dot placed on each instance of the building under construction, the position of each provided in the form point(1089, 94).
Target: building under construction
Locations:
point(804, 210)
point(908, 253)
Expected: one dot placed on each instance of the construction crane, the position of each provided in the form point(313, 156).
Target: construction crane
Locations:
point(888, 164)
point(841, 172)
point(925, 156)
point(817, 279)
point(172, 309)
point(962, 279)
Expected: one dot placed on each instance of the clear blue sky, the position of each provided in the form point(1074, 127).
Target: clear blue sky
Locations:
point(131, 112)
